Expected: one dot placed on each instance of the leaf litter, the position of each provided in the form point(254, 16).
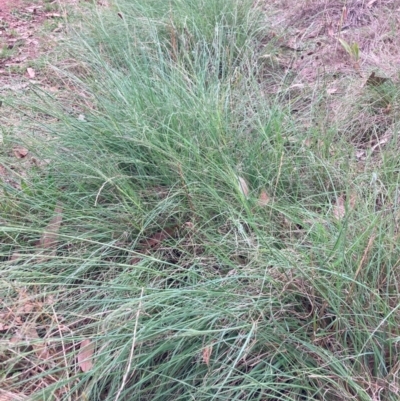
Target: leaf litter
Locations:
point(263, 199)
point(243, 187)
point(48, 241)
point(85, 355)
point(206, 354)
point(31, 72)
point(339, 209)
point(20, 152)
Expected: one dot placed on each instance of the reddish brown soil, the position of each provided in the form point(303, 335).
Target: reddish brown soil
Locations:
point(6, 5)
point(20, 42)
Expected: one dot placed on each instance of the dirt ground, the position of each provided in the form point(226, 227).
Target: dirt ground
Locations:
point(21, 35)
point(312, 35)
point(6, 6)
point(347, 51)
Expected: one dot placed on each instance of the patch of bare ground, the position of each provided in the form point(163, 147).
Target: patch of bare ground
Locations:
point(21, 41)
point(350, 51)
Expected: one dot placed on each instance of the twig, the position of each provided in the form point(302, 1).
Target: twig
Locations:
point(277, 179)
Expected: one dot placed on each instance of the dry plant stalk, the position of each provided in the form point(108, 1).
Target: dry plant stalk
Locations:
point(361, 264)
point(128, 368)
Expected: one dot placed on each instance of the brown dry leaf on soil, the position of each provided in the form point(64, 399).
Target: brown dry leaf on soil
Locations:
point(263, 199)
point(25, 304)
point(207, 351)
point(374, 80)
point(353, 199)
point(28, 333)
point(38, 344)
point(30, 72)
point(134, 261)
point(4, 322)
point(339, 209)
point(49, 237)
point(3, 171)
point(243, 187)
point(154, 241)
point(20, 152)
point(85, 356)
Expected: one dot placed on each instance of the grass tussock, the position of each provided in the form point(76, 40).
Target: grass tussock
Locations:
point(192, 225)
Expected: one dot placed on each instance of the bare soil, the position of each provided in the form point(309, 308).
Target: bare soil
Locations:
point(355, 87)
point(310, 33)
point(20, 40)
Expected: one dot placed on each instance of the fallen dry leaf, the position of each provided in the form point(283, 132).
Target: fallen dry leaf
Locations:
point(263, 199)
point(374, 80)
point(360, 154)
point(387, 109)
point(154, 241)
point(38, 344)
point(31, 72)
point(207, 351)
point(353, 199)
point(189, 225)
point(53, 15)
point(25, 304)
point(339, 209)
point(4, 317)
point(28, 307)
point(16, 338)
point(85, 356)
point(307, 142)
point(20, 152)
point(134, 261)
point(243, 187)
point(382, 141)
point(49, 237)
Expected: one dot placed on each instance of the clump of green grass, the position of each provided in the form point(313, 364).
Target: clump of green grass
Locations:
point(184, 283)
